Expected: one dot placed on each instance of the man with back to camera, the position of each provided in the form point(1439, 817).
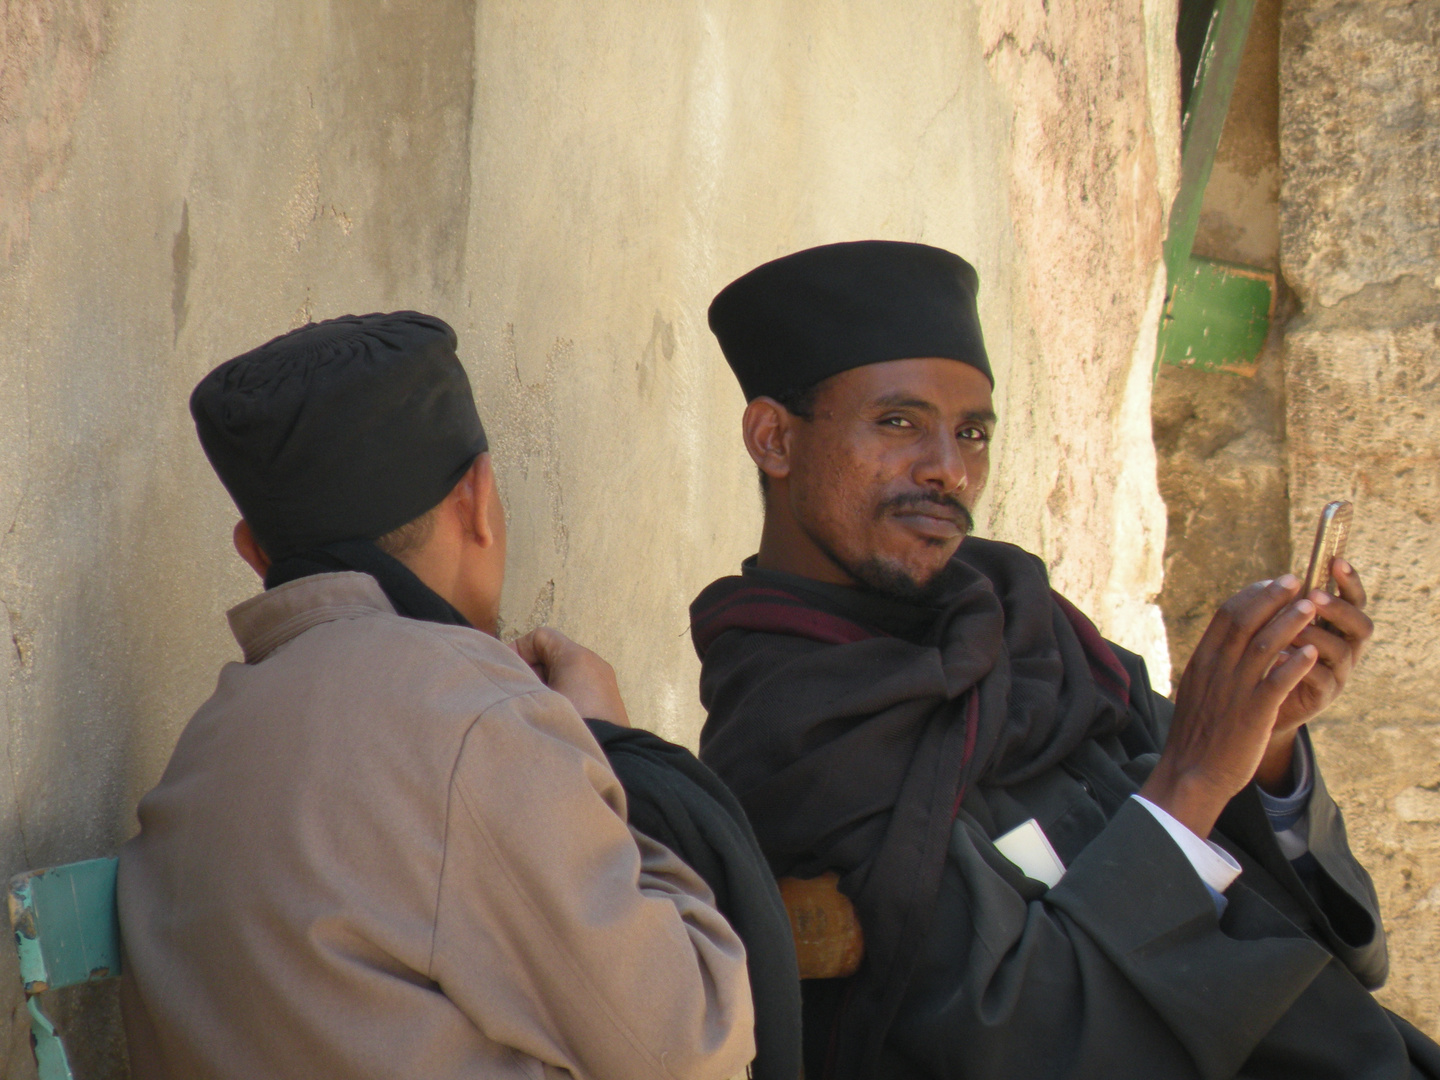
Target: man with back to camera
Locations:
point(384, 848)
point(912, 707)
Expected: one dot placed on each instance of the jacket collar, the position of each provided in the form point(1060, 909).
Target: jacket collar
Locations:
point(265, 622)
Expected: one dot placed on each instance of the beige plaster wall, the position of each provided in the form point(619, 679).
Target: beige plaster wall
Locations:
point(1360, 244)
point(568, 183)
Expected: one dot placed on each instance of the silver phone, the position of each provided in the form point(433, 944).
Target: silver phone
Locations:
point(1330, 537)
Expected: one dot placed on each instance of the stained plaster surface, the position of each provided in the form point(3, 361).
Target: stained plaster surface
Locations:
point(568, 184)
point(1360, 244)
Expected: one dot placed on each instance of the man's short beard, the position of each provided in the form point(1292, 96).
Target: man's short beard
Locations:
point(892, 582)
point(887, 579)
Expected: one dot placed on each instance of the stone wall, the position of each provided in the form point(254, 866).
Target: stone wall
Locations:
point(1360, 244)
point(568, 184)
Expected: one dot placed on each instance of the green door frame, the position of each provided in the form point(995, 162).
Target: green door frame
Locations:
point(1216, 316)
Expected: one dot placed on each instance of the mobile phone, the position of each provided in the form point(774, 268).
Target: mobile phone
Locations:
point(1330, 537)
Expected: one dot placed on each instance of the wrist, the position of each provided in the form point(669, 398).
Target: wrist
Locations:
point(1275, 773)
point(1190, 800)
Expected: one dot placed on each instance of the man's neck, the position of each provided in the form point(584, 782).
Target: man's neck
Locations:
point(440, 570)
point(785, 547)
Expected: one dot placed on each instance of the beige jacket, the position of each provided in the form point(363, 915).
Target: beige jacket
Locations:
point(384, 849)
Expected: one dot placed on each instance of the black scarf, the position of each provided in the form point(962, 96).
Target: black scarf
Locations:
point(408, 595)
point(672, 798)
point(677, 801)
point(851, 727)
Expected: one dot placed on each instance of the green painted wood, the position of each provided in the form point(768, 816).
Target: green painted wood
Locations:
point(1182, 338)
point(1204, 120)
point(1191, 27)
point(67, 930)
point(51, 1061)
point(1218, 316)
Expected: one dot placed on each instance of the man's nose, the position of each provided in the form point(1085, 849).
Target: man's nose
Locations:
point(943, 464)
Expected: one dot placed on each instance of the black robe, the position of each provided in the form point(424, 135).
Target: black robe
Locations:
point(893, 742)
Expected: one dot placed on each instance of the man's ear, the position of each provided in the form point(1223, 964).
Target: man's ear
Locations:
point(768, 428)
point(481, 504)
point(249, 548)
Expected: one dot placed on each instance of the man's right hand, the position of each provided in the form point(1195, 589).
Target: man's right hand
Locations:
point(1228, 701)
point(583, 677)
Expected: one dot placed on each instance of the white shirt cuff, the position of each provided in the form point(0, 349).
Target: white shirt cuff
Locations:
point(1212, 862)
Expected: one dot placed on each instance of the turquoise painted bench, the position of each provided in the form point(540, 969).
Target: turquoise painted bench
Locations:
point(67, 932)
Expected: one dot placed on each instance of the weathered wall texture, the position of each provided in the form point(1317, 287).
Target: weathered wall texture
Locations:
point(1220, 436)
point(1095, 163)
point(568, 184)
point(1360, 243)
point(180, 182)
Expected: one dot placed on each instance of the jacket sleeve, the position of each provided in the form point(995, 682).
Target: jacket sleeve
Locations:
point(1327, 891)
point(565, 935)
point(1331, 894)
point(1124, 969)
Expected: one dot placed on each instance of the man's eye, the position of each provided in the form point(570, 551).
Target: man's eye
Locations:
point(973, 434)
point(896, 422)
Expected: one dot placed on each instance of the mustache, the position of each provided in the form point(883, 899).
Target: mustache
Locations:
point(947, 506)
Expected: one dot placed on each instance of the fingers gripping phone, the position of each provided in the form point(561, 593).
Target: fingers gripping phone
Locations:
point(1330, 538)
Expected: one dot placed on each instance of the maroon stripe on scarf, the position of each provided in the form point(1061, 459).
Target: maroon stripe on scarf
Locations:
point(1105, 666)
point(772, 611)
point(972, 728)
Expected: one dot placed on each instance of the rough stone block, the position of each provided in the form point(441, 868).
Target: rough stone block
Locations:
point(1360, 144)
point(1385, 776)
point(1364, 424)
point(1220, 444)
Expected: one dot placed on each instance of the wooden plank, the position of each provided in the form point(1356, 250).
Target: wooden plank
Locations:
point(66, 927)
point(1203, 123)
point(1218, 317)
point(828, 941)
point(1208, 103)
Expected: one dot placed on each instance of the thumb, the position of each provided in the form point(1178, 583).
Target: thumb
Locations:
point(544, 646)
point(538, 651)
point(526, 648)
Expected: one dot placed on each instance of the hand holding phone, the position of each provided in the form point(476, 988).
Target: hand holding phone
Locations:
point(1341, 630)
point(1263, 668)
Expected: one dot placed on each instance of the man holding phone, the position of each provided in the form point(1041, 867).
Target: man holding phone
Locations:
point(1057, 872)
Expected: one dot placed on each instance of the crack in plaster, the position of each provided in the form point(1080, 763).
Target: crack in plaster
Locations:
point(925, 131)
point(10, 737)
point(1008, 38)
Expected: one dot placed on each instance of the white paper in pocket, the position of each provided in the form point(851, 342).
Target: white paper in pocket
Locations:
point(1029, 848)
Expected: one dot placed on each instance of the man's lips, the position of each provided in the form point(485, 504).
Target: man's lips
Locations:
point(931, 522)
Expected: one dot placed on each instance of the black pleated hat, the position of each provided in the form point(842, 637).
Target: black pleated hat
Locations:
point(340, 430)
point(800, 319)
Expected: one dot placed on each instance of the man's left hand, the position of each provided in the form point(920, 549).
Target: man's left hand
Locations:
point(584, 678)
point(1341, 643)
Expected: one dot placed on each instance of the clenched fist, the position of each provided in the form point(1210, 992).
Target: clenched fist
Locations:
point(583, 677)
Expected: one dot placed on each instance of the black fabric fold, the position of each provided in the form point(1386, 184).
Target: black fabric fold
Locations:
point(675, 799)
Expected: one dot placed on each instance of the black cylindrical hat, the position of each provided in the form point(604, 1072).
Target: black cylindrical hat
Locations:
point(800, 319)
point(340, 430)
